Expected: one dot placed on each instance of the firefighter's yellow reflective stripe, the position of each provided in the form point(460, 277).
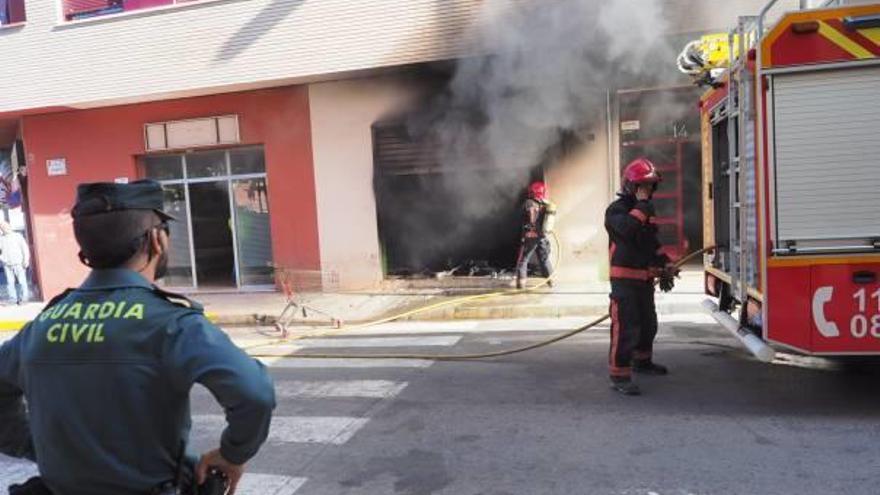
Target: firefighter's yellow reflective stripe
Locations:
point(872, 34)
point(844, 42)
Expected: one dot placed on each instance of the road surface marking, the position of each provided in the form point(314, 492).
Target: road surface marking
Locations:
point(283, 362)
point(335, 430)
point(379, 389)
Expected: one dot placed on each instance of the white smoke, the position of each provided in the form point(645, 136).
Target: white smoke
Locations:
point(547, 69)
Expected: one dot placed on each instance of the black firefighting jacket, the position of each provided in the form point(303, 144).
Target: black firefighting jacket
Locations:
point(533, 215)
point(633, 243)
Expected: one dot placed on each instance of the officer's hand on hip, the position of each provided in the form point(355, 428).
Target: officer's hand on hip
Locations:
point(213, 459)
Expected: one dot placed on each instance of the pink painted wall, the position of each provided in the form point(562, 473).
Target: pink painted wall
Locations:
point(103, 144)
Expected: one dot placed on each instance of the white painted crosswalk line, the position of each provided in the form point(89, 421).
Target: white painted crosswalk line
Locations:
point(282, 349)
point(334, 430)
point(12, 472)
point(283, 362)
point(377, 389)
point(445, 340)
point(417, 327)
point(268, 484)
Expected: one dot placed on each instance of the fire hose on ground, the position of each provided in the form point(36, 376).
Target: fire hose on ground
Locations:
point(422, 309)
point(450, 357)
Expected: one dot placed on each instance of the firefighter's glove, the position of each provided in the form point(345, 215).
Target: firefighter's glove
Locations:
point(667, 277)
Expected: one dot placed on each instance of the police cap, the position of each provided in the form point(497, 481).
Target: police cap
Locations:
point(102, 197)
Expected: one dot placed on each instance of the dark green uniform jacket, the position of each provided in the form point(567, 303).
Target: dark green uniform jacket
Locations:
point(106, 372)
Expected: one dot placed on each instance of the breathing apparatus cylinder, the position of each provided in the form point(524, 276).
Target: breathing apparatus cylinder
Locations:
point(549, 222)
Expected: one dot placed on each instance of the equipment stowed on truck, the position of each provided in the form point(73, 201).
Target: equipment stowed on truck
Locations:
point(791, 179)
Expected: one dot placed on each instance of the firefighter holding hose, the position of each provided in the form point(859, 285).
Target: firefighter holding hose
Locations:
point(636, 262)
point(539, 215)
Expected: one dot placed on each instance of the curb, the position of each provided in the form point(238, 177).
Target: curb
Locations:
point(451, 313)
point(12, 325)
point(471, 313)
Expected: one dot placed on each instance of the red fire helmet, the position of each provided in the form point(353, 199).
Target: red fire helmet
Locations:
point(537, 190)
point(641, 171)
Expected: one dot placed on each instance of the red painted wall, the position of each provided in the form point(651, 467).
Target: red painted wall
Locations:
point(103, 144)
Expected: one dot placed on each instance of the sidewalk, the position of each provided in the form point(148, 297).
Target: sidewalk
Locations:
point(250, 309)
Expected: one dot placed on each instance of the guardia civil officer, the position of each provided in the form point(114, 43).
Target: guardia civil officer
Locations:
point(106, 369)
point(636, 261)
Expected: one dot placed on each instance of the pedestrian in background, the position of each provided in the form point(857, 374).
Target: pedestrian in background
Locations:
point(15, 255)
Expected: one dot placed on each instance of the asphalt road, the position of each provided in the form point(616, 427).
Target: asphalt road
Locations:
point(545, 422)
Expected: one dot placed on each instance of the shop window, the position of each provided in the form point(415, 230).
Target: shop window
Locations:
point(85, 9)
point(12, 12)
point(206, 164)
point(222, 236)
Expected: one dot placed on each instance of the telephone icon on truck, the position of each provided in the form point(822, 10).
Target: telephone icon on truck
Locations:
point(822, 297)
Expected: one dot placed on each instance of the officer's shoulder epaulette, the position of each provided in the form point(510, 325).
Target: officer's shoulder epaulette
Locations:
point(178, 299)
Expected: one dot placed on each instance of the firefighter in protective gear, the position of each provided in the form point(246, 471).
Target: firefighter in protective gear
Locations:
point(538, 221)
point(636, 260)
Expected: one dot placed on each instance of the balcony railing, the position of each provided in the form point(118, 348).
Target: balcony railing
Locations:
point(84, 9)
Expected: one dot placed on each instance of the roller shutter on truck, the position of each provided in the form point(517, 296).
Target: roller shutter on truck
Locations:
point(826, 153)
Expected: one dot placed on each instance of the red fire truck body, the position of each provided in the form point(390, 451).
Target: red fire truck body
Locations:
point(791, 181)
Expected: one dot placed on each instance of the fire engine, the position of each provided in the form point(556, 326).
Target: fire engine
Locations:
point(791, 179)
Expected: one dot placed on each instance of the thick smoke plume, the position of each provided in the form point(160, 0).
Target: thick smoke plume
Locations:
point(548, 68)
point(536, 86)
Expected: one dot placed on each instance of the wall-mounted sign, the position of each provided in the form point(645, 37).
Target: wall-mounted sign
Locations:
point(56, 166)
point(630, 125)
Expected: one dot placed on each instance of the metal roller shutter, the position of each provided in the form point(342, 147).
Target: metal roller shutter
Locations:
point(827, 155)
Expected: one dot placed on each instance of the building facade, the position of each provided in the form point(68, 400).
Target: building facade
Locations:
point(260, 119)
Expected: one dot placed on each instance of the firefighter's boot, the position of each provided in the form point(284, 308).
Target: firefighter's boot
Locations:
point(648, 367)
point(625, 385)
point(519, 283)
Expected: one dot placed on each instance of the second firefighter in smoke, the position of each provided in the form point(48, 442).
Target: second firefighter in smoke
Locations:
point(539, 216)
point(636, 262)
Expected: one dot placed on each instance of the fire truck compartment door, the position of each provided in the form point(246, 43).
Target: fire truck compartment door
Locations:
point(845, 308)
point(827, 158)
